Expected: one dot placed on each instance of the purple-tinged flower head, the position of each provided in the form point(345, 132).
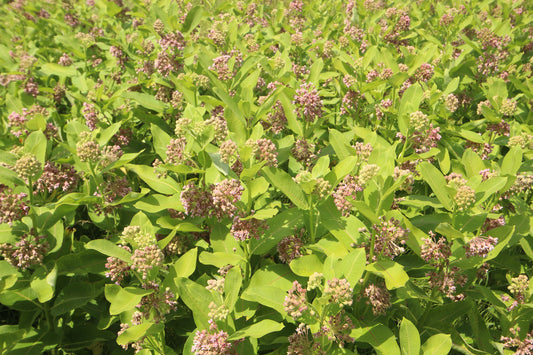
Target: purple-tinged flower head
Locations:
point(347, 188)
point(435, 252)
point(226, 194)
point(247, 229)
point(31, 88)
point(216, 285)
point(508, 107)
point(65, 60)
point(518, 287)
point(465, 197)
point(483, 149)
point(229, 152)
point(165, 64)
point(337, 329)
point(322, 188)
point(220, 124)
point(59, 92)
point(349, 80)
point(50, 131)
point(16, 122)
point(339, 292)
point(12, 206)
point(363, 150)
point(196, 201)
point(115, 188)
point(350, 101)
point(30, 250)
point(523, 183)
point(159, 303)
point(137, 345)
point(177, 100)
point(491, 223)
point(146, 259)
point(424, 72)
point(117, 268)
point(295, 15)
point(57, 176)
point(291, 247)
point(451, 103)
point(424, 141)
point(308, 103)
point(118, 53)
point(217, 36)
point(122, 137)
point(28, 167)
point(220, 66)
point(480, 246)
point(502, 128)
point(265, 150)
point(176, 151)
point(404, 22)
point(523, 347)
point(378, 297)
point(158, 27)
point(295, 302)
point(304, 152)
point(408, 183)
point(212, 342)
point(172, 42)
point(523, 140)
point(487, 174)
point(110, 154)
point(301, 342)
point(223, 271)
point(367, 173)
point(91, 115)
point(300, 71)
point(178, 245)
point(217, 312)
point(276, 119)
point(389, 237)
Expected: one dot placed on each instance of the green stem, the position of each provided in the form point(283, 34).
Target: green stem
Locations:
point(312, 224)
point(427, 310)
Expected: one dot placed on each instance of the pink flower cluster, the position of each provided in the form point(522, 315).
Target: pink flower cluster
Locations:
point(225, 196)
point(247, 229)
point(308, 103)
point(378, 297)
point(389, 237)
point(290, 248)
point(117, 268)
point(12, 206)
point(57, 176)
point(296, 302)
point(28, 251)
point(347, 188)
point(212, 342)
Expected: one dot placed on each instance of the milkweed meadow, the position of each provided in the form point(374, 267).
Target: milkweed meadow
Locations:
point(275, 177)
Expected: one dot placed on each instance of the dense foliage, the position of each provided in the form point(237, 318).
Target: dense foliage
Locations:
point(300, 177)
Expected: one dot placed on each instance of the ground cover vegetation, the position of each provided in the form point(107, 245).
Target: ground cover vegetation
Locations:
point(271, 177)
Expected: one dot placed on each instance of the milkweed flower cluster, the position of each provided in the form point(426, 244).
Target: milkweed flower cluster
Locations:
point(28, 167)
point(117, 268)
point(159, 303)
point(57, 176)
point(12, 206)
point(146, 259)
point(348, 188)
point(518, 287)
point(225, 196)
point(523, 347)
point(295, 303)
point(339, 292)
point(290, 248)
point(30, 250)
point(276, 119)
point(212, 342)
point(389, 237)
point(247, 229)
point(301, 342)
point(308, 103)
point(480, 246)
point(304, 151)
point(379, 297)
point(337, 328)
point(265, 150)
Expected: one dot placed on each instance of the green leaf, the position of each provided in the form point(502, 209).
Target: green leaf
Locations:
point(109, 248)
point(44, 284)
point(219, 259)
point(164, 185)
point(232, 287)
point(380, 337)
point(438, 344)
point(123, 299)
point(391, 271)
point(156, 203)
point(409, 338)
point(283, 181)
point(36, 144)
point(451, 87)
point(306, 265)
point(366, 211)
point(161, 141)
point(257, 330)
point(10, 178)
point(472, 163)
point(193, 18)
point(448, 231)
point(512, 161)
point(136, 332)
point(269, 296)
point(197, 298)
point(343, 168)
point(280, 226)
point(339, 144)
point(75, 295)
point(353, 266)
point(145, 100)
point(409, 103)
point(345, 230)
point(186, 264)
point(437, 182)
point(59, 70)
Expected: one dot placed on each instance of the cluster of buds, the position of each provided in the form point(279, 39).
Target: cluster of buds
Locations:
point(443, 278)
point(291, 247)
point(159, 302)
point(304, 152)
point(216, 285)
point(465, 197)
point(379, 297)
point(57, 176)
point(339, 292)
point(28, 167)
point(218, 121)
point(178, 245)
point(110, 154)
point(113, 189)
point(16, 122)
point(28, 251)
point(176, 151)
point(265, 150)
point(301, 342)
point(12, 206)
point(221, 65)
point(363, 150)
point(424, 72)
point(367, 173)
point(518, 287)
point(225, 196)
point(91, 115)
point(337, 328)
point(523, 183)
point(508, 107)
point(117, 268)
point(276, 119)
point(308, 103)
point(196, 201)
point(146, 259)
point(348, 188)
point(88, 150)
point(480, 246)
point(229, 152)
point(217, 312)
point(451, 103)
point(212, 342)
point(409, 181)
point(296, 302)
point(389, 237)
point(244, 229)
point(523, 347)
point(350, 101)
